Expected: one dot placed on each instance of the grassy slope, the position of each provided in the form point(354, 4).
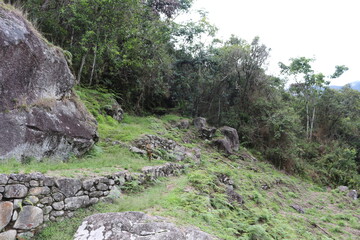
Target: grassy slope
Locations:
point(105, 158)
point(198, 198)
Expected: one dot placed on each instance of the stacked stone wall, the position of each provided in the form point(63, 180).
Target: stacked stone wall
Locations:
point(27, 201)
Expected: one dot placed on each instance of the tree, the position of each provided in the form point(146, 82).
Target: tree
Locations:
point(309, 88)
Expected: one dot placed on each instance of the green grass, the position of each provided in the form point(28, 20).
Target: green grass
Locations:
point(103, 158)
point(151, 199)
point(130, 128)
point(198, 198)
point(111, 159)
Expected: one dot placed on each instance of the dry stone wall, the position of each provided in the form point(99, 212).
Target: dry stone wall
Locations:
point(27, 201)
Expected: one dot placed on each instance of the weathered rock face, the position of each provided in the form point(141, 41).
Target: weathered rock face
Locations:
point(353, 194)
point(232, 136)
point(204, 130)
point(183, 124)
point(39, 114)
point(134, 225)
point(173, 151)
point(115, 111)
point(230, 143)
point(223, 145)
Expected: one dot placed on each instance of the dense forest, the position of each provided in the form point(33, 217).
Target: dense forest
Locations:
point(154, 65)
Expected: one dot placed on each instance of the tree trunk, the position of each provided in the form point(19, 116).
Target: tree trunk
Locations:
point(93, 66)
point(219, 110)
point(72, 38)
point(307, 119)
point(312, 123)
point(81, 68)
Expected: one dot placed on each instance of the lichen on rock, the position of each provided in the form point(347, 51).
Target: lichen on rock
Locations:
point(135, 225)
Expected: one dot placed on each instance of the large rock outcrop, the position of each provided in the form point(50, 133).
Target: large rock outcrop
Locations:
point(40, 116)
point(205, 131)
point(136, 226)
point(230, 143)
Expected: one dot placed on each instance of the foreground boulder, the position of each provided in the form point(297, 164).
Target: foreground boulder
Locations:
point(135, 226)
point(40, 116)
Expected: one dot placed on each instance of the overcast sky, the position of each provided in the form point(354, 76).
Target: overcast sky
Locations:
point(327, 30)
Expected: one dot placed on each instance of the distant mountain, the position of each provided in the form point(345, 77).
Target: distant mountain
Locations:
point(354, 85)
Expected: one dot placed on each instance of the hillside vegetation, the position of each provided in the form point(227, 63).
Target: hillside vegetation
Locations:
point(260, 207)
point(297, 143)
point(155, 65)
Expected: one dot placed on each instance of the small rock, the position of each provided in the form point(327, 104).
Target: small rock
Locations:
point(74, 203)
point(47, 200)
point(95, 194)
point(3, 179)
point(58, 197)
point(35, 191)
point(8, 235)
point(49, 181)
point(57, 213)
point(34, 183)
point(40, 205)
point(46, 218)
point(30, 217)
point(37, 176)
point(199, 123)
point(15, 216)
point(115, 111)
point(298, 208)
point(58, 205)
point(79, 193)
point(19, 178)
point(353, 194)
point(31, 200)
point(47, 210)
point(17, 203)
point(93, 201)
point(68, 186)
point(88, 184)
point(15, 191)
point(343, 188)
point(234, 196)
point(70, 214)
point(207, 132)
point(6, 211)
point(102, 187)
point(183, 124)
point(137, 150)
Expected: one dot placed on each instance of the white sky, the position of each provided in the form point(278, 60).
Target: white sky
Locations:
point(328, 30)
